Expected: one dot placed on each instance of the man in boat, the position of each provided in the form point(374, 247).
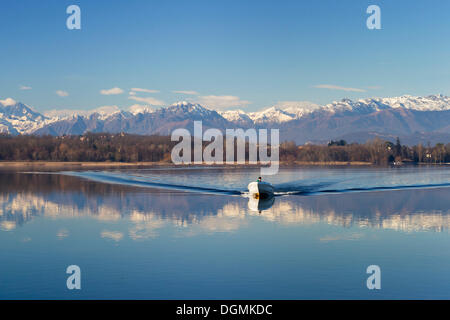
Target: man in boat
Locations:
point(259, 179)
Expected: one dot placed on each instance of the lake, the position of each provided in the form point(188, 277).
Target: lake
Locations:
point(177, 233)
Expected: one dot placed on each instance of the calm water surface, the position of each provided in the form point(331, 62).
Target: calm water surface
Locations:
point(195, 234)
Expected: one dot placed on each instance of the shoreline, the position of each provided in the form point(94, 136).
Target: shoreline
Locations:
point(167, 164)
point(103, 164)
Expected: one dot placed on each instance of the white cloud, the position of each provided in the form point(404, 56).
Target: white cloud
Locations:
point(335, 87)
point(148, 100)
point(140, 108)
point(25, 88)
point(221, 102)
point(8, 102)
point(63, 113)
point(62, 93)
point(143, 90)
point(374, 87)
point(132, 93)
point(296, 104)
point(111, 91)
point(103, 110)
point(106, 109)
point(188, 92)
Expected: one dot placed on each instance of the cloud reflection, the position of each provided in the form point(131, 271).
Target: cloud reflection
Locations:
point(62, 233)
point(62, 197)
point(113, 235)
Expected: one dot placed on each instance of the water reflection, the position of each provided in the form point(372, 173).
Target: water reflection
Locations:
point(257, 204)
point(24, 197)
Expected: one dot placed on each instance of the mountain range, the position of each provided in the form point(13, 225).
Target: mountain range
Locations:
point(412, 119)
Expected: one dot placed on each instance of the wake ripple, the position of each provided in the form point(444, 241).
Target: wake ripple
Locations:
point(136, 181)
point(290, 188)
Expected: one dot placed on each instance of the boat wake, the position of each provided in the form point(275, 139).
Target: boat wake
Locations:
point(137, 181)
point(300, 187)
point(319, 188)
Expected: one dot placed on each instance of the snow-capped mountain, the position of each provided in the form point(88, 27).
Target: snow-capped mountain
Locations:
point(184, 107)
point(281, 112)
point(428, 103)
point(137, 108)
point(18, 118)
point(137, 121)
point(271, 115)
point(411, 118)
point(297, 108)
point(237, 116)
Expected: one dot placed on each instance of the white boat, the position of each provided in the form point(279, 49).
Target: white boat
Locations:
point(260, 189)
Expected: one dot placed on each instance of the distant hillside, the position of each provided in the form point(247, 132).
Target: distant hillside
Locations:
point(100, 147)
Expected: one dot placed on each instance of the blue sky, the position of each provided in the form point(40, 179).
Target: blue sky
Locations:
point(247, 54)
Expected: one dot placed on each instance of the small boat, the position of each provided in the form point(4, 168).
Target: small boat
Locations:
point(260, 189)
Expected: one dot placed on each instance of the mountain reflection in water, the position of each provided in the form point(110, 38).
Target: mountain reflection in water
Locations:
point(27, 196)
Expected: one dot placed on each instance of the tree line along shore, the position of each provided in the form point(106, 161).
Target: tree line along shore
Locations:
point(128, 148)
